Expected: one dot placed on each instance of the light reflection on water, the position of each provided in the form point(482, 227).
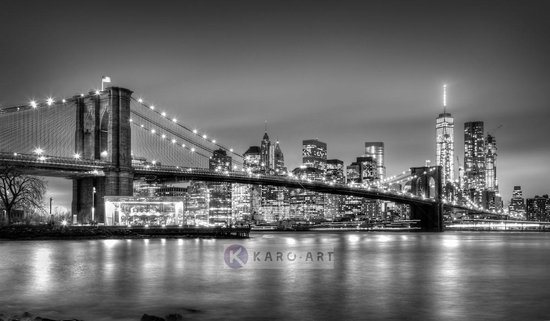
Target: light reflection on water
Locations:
point(453, 276)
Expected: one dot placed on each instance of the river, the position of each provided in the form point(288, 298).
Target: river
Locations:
point(371, 276)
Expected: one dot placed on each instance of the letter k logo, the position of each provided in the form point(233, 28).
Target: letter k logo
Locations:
point(235, 256)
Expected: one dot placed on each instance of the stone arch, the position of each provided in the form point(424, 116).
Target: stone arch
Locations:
point(431, 188)
point(427, 181)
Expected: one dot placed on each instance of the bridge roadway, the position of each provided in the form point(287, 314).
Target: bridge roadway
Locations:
point(54, 166)
point(175, 173)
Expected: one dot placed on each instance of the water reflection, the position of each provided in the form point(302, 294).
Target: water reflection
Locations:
point(455, 276)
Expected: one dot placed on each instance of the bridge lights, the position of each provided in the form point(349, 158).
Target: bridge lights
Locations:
point(213, 141)
point(153, 131)
point(38, 151)
point(173, 140)
point(154, 162)
point(183, 145)
point(49, 101)
point(140, 101)
point(194, 131)
point(63, 100)
point(163, 114)
point(152, 107)
point(163, 136)
point(76, 156)
point(33, 104)
point(174, 120)
point(192, 149)
point(231, 150)
point(204, 136)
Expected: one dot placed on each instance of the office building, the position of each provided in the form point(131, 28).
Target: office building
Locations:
point(474, 160)
point(375, 150)
point(491, 182)
point(517, 204)
point(220, 200)
point(314, 154)
point(444, 131)
point(538, 208)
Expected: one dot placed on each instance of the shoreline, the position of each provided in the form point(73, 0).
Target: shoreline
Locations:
point(44, 232)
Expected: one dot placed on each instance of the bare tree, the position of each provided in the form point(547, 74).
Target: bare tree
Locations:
point(19, 191)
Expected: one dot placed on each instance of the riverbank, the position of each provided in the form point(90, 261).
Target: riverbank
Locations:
point(45, 232)
point(27, 316)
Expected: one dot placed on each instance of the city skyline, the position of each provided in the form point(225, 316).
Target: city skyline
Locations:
point(343, 73)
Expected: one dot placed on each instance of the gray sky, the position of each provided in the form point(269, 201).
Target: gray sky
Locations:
point(343, 72)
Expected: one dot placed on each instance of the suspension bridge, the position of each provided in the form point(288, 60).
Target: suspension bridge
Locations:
point(104, 140)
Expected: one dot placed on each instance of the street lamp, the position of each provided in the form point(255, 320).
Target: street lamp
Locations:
point(51, 215)
point(93, 205)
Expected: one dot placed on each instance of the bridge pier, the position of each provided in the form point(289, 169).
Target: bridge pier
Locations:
point(430, 216)
point(428, 184)
point(103, 134)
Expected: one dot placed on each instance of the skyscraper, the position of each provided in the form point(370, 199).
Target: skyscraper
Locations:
point(444, 131)
point(491, 182)
point(517, 204)
point(220, 207)
point(538, 208)
point(376, 151)
point(253, 159)
point(314, 154)
point(279, 160)
point(335, 171)
point(474, 160)
point(334, 203)
point(267, 151)
point(368, 169)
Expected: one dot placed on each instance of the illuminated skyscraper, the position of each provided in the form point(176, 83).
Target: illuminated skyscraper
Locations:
point(252, 159)
point(376, 151)
point(538, 208)
point(517, 204)
point(335, 171)
point(368, 169)
point(474, 160)
point(334, 203)
point(491, 182)
point(267, 154)
point(220, 201)
point(314, 154)
point(444, 131)
point(279, 160)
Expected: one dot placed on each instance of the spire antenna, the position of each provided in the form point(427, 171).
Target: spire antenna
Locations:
point(266, 126)
point(445, 98)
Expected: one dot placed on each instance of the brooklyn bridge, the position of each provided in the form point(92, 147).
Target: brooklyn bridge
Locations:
point(106, 140)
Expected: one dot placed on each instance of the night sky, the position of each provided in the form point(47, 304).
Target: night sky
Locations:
point(342, 72)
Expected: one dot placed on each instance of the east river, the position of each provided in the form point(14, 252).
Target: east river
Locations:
point(371, 276)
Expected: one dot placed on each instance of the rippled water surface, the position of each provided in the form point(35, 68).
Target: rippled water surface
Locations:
point(393, 276)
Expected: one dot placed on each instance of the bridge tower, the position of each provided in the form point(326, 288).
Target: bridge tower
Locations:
point(427, 182)
point(103, 133)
